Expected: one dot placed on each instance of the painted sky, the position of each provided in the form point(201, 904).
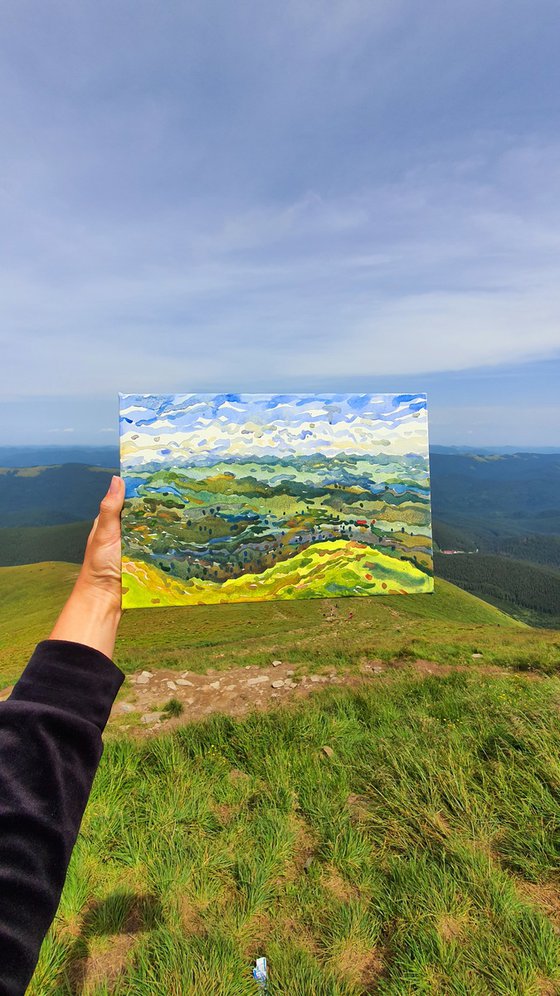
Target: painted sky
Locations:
point(280, 197)
point(206, 428)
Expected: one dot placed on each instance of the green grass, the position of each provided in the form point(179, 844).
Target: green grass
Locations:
point(447, 626)
point(422, 856)
point(401, 864)
point(173, 707)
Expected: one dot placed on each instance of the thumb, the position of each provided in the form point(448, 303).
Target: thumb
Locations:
point(110, 507)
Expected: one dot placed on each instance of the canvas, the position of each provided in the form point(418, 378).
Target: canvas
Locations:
point(251, 497)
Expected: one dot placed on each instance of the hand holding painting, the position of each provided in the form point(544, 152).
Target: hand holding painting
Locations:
point(93, 611)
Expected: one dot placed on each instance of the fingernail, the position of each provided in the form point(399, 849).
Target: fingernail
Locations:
point(114, 485)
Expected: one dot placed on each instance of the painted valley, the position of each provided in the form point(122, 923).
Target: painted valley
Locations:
point(234, 498)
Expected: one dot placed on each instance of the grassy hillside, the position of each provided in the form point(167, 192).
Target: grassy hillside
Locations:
point(514, 584)
point(41, 496)
point(34, 544)
point(446, 626)
point(416, 854)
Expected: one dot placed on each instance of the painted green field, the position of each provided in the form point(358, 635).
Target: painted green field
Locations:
point(264, 528)
point(418, 853)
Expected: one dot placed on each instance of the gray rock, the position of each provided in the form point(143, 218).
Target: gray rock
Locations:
point(152, 717)
point(258, 680)
point(171, 685)
point(183, 681)
point(214, 684)
point(276, 663)
point(127, 707)
point(143, 679)
point(315, 677)
point(278, 684)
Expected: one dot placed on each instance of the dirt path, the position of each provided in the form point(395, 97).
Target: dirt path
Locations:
point(241, 690)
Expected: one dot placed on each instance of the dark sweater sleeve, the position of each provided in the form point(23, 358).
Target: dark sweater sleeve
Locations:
point(50, 747)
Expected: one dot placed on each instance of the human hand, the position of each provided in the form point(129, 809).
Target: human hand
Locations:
point(93, 611)
point(101, 570)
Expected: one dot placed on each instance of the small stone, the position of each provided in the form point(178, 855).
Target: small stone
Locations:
point(328, 751)
point(143, 679)
point(258, 680)
point(229, 688)
point(290, 673)
point(377, 670)
point(151, 717)
point(477, 655)
point(183, 681)
point(126, 707)
point(291, 684)
point(278, 684)
point(214, 684)
point(184, 674)
point(315, 677)
point(171, 685)
point(276, 663)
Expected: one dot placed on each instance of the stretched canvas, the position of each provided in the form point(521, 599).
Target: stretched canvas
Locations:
point(251, 497)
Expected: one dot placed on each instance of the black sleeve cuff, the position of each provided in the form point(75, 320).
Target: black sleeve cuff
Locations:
point(72, 677)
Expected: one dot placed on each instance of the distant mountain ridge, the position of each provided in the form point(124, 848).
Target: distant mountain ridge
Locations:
point(108, 456)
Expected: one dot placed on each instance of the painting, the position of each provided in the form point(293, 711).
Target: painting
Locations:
point(253, 497)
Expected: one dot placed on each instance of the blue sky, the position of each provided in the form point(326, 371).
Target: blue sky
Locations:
point(265, 197)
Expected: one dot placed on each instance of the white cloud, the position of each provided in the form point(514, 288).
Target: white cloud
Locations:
point(314, 195)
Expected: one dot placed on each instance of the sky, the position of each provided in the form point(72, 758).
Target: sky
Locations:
point(306, 196)
point(202, 429)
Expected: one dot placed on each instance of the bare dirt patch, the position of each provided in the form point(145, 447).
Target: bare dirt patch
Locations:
point(359, 964)
point(244, 689)
point(338, 886)
point(449, 928)
point(85, 974)
point(544, 895)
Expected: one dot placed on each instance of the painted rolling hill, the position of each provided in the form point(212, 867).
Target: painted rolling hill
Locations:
point(335, 568)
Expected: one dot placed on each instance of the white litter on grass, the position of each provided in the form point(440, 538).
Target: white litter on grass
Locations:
point(260, 973)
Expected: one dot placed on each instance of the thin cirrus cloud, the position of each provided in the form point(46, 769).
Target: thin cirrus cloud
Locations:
point(215, 196)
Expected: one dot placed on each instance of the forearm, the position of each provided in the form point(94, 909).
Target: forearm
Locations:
point(90, 616)
point(50, 746)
